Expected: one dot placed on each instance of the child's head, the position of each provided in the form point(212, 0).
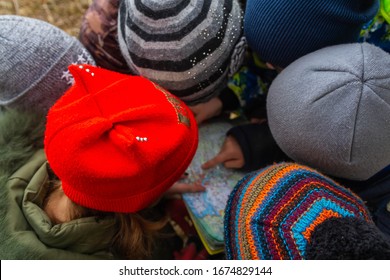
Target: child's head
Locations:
point(34, 59)
point(118, 142)
point(281, 31)
point(289, 211)
point(187, 47)
point(330, 110)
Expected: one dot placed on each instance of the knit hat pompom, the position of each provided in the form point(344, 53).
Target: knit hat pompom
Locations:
point(272, 213)
point(347, 239)
point(118, 142)
point(34, 59)
point(331, 110)
point(187, 47)
point(281, 31)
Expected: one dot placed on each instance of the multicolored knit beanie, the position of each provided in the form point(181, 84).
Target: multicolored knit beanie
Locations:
point(187, 47)
point(275, 213)
point(34, 60)
point(118, 142)
point(281, 31)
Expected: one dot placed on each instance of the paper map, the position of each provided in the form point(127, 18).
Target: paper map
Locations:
point(207, 208)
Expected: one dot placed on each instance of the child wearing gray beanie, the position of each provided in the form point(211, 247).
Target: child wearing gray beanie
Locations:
point(34, 60)
point(331, 110)
point(279, 32)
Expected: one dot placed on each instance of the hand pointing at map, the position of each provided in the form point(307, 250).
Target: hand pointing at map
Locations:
point(230, 155)
point(206, 208)
point(180, 187)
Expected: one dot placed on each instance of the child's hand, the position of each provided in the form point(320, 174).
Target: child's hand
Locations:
point(180, 188)
point(230, 155)
point(207, 110)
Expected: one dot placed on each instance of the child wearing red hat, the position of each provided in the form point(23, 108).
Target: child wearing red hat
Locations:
point(114, 144)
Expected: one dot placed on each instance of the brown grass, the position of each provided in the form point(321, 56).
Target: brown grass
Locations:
point(65, 14)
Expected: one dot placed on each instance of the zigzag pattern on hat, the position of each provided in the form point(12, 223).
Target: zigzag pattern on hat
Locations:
point(184, 46)
point(271, 213)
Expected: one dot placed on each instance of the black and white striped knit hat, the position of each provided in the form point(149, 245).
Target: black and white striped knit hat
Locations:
point(189, 47)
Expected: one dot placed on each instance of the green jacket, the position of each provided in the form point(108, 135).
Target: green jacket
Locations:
point(26, 232)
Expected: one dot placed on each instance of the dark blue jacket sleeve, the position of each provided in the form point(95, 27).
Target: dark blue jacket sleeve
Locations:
point(258, 145)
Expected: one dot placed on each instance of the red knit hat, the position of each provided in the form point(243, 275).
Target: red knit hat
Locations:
point(118, 142)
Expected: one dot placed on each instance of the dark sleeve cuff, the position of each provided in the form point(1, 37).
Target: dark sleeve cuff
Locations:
point(229, 100)
point(256, 108)
point(258, 145)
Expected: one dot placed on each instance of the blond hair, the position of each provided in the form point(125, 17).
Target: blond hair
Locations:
point(135, 232)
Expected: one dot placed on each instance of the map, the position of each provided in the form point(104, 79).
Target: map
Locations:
point(207, 208)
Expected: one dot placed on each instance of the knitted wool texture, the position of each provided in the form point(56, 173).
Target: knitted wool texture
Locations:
point(348, 239)
point(186, 46)
point(330, 110)
point(272, 213)
point(34, 60)
point(118, 142)
point(281, 31)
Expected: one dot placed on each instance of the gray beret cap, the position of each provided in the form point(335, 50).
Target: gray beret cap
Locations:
point(331, 110)
point(34, 60)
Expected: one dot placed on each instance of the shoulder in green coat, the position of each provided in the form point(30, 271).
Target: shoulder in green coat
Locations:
point(27, 232)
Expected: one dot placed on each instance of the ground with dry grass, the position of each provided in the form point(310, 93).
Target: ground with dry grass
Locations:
point(65, 14)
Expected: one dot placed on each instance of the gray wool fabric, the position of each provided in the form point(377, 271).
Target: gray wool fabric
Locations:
point(34, 60)
point(186, 46)
point(331, 110)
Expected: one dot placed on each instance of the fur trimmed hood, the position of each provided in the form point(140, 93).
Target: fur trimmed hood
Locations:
point(21, 135)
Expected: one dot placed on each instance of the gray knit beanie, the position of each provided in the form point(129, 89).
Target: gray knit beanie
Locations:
point(331, 110)
point(34, 60)
point(186, 46)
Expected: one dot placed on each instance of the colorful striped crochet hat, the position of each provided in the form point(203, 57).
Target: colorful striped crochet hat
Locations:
point(273, 213)
point(186, 46)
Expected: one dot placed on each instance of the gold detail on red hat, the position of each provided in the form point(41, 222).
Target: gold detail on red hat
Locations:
point(182, 113)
